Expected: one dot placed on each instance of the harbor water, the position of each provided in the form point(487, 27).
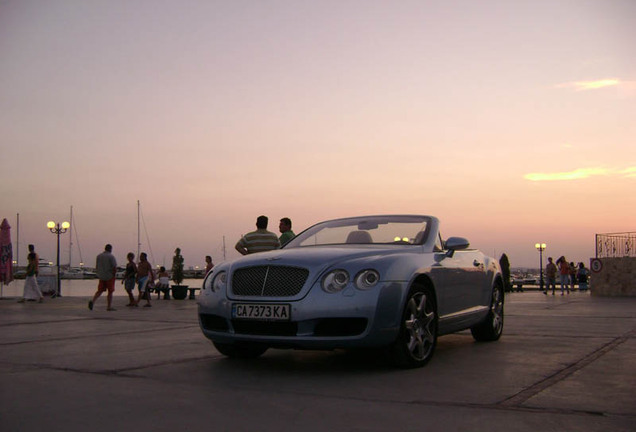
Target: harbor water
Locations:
point(81, 287)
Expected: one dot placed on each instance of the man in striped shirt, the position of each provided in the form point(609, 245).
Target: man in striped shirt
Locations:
point(260, 240)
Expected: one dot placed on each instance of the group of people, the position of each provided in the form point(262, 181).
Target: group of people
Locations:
point(141, 274)
point(138, 274)
point(569, 275)
point(135, 274)
point(263, 240)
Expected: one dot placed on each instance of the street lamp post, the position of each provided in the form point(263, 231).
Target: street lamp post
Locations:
point(58, 229)
point(540, 247)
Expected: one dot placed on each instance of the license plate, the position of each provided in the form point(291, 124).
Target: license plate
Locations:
point(260, 311)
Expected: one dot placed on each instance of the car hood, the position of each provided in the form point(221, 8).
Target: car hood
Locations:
point(319, 258)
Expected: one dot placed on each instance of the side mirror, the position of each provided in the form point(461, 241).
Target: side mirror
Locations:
point(455, 243)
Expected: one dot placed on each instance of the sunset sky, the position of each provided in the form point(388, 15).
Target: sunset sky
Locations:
point(514, 122)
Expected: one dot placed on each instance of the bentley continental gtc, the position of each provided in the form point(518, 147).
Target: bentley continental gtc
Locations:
point(387, 282)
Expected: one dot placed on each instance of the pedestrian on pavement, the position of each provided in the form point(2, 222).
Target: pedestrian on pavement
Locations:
point(37, 259)
point(564, 273)
point(550, 272)
point(31, 291)
point(129, 278)
point(144, 276)
point(106, 269)
point(581, 276)
point(572, 275)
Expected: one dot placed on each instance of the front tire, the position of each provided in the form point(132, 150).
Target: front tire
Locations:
point(491, 328)
point(240, 350)
point(416, 342)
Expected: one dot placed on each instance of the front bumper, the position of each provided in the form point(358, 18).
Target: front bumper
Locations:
point(349, 319)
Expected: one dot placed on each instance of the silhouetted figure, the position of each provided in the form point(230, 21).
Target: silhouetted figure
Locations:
point(550, 274)
point(260, 240)
point(582, 275)
point(129, 278)
point(106, 269)
point(504, 263)
point(287, 234)
point(564, 274)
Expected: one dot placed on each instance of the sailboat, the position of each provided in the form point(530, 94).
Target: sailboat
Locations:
point(140, 222)
point(71, 272)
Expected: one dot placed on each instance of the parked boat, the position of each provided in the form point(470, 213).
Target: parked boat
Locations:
point(78, 273)
point(47, 277)
point(120, 273)
point(194, 274)
point(45, 267)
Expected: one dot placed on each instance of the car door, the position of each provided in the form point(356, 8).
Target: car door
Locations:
point(473, 278)
point(460, 277)
point(456, 270)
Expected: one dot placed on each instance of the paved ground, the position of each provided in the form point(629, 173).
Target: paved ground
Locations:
point(563, 364)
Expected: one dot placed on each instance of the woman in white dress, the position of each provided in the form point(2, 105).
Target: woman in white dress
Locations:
point(32, 291)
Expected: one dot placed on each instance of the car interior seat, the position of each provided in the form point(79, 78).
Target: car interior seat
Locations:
point(359, 237)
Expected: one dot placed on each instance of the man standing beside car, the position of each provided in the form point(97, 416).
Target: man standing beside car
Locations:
point(286, 232)
point(260, 240)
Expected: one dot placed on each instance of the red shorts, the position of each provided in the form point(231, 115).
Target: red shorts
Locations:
point(106, 285)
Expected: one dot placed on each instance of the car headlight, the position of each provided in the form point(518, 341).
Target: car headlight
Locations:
point(219, 281)
point(335, 281)
point(367, 279)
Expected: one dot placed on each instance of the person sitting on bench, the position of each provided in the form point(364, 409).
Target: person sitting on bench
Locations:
point(164, 283)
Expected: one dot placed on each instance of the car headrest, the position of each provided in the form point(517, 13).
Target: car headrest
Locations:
point(359, 237)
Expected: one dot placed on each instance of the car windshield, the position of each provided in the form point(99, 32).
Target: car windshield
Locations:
point(401, 230)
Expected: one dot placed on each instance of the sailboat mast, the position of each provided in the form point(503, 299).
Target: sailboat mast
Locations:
point(70, 241)
point(138, 232)
point(18, 243)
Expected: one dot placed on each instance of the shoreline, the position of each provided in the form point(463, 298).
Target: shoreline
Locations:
point(79, 288)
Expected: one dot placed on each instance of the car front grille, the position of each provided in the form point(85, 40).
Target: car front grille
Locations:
point(269, 281)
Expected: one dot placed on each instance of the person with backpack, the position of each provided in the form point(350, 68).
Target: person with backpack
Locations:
point(582, 275)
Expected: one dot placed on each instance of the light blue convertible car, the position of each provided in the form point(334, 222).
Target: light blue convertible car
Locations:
point(390, 282)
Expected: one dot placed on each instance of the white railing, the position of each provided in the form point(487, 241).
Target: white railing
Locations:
point(616, 245)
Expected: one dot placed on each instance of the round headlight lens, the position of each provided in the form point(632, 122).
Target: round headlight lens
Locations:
point(367, 279)
point(219, 281)
point(335, 281)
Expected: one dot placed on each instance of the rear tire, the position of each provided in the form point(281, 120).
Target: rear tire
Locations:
point(491, 328)
point(416, 342)
point(241, 350)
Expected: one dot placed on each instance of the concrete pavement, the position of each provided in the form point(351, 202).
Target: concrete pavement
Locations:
point(564, 363)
